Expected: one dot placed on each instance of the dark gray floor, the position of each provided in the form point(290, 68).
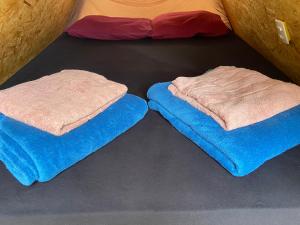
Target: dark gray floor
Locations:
point(152, 173)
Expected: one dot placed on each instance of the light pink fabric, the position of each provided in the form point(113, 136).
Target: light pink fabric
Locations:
point(60, 102)
point(236, 97)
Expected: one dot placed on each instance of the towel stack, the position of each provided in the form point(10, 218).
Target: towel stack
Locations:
point(51, 123)
point(240, 117)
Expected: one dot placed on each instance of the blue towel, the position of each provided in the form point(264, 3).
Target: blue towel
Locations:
point(34, 155)
point(240, 151)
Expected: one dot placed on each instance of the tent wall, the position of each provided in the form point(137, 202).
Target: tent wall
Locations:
point(26, 28)
point(146, 8)
point(254, 21)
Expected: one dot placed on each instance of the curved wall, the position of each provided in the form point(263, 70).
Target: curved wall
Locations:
point(254, 21)
point(26, 28)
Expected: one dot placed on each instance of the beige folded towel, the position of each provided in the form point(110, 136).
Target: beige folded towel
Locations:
point(60, 102)
point(236, 97)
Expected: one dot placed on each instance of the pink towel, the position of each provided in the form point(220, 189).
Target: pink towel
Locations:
point(236, 97)
point(60, 102)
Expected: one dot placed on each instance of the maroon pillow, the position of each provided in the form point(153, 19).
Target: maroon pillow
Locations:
point(188, 24)
point(111, 28)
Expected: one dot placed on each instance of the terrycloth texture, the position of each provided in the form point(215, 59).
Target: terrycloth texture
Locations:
point(33, 155)
point(60, 102)
point(240, 151)
point(236, 97)
point(111, 28)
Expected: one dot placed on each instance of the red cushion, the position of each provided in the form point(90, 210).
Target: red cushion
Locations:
point(111, 28)
point(188, 24)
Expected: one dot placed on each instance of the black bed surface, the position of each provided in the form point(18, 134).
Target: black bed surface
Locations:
point(152, 174)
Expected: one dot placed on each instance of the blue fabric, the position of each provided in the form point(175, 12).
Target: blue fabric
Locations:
point(33, 155)
point(240, 151)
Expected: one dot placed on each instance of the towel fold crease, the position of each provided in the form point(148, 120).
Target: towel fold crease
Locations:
point(236, 97)
point(60, 102)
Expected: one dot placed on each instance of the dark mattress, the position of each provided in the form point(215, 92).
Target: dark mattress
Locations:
point(152, 174)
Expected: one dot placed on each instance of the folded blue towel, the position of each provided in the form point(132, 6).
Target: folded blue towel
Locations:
point(33, 155)
point(240, 151)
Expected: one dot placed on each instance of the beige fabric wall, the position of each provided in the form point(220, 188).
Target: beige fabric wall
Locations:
point(254, 21)
point(27, 27)
point(145, 8)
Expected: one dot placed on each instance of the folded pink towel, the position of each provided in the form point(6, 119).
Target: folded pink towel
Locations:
point(60, 102)
point(236, 97)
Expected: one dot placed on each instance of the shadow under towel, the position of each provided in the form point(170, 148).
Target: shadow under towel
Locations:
point(33, 155)
point(240, 151)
